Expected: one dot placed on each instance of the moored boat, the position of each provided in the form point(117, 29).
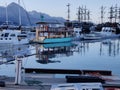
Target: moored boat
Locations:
point(78, 35)
point(91, 37)
point(13, 37)
point(77, 86)
point(47, 34)
point(109, 30)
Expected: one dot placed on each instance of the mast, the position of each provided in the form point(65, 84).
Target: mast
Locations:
point(111, 14)
point(116, 13)
point(68, 11)
point(19, 13)
point(85, 13)
point(6, 14)
point(88, 15)
point(119, 15)
point(102, 13)
point(79, 13)
point(82, 12)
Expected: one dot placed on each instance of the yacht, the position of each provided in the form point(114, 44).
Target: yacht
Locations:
point(77, 86)
point(91, 36)
point(13, 37)
point(109, 30)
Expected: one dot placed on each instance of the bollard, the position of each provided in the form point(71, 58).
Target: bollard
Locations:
point(18, 71)
point(2, 84)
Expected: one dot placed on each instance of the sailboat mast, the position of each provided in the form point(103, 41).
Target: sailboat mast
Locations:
point(19, 13)
point(6, 15)
point(68, 11)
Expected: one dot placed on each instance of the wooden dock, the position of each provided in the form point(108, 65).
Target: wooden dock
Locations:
point(67, 71)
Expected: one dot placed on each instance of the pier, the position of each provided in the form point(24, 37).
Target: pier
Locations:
point(66, 71)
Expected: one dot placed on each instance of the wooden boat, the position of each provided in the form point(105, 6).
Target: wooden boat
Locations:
point(47, 34)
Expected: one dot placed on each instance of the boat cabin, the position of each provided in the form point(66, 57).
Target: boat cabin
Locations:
point(45, 30)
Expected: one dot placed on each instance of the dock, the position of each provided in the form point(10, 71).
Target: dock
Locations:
point(41, 79)
point(66, 71)
point(45, 85)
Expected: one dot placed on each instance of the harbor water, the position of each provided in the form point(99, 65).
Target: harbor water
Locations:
point(80, 55)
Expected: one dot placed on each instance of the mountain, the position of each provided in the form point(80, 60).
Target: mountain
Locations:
point(27, 18)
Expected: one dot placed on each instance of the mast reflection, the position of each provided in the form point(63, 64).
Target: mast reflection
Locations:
point(108, 47)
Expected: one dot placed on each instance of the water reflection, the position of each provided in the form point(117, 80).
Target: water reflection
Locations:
point(112, 46)
point(107, 47)
point(45, 52)
point(9, 51)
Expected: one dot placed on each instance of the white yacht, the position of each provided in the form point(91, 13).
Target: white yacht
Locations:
point(13, 37)
point(109, 30)
point(91, 36)
point(78, 86)
point(105, 33)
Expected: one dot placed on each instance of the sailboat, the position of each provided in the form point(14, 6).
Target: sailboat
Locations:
point(13, 35)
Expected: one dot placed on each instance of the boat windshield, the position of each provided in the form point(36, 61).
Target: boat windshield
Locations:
point(6, 34)
point(12, 35)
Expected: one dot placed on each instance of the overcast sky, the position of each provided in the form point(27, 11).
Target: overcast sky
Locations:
point(58, 8)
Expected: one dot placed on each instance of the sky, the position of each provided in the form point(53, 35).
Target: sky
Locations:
point(58, 8)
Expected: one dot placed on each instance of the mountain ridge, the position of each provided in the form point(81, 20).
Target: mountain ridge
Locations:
point(27, 18)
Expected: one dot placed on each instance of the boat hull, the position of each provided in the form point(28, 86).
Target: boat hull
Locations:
point(52, 45)
point(53, 40)
point(14, 42)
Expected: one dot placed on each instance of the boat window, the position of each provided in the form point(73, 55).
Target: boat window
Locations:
point(91, 89)
point(95, 89)
point(9, 38)
point(113, 31)
point(76, 31)
point(2, 35)
point(6, 34)
point(79, 32)
point(1, 38)
point(12, 35)
point(5, 38)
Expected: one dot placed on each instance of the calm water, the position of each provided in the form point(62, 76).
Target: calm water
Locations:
point(93, 55)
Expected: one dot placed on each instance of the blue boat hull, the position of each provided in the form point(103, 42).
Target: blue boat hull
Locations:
point(57, 40)
point(52, 45)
